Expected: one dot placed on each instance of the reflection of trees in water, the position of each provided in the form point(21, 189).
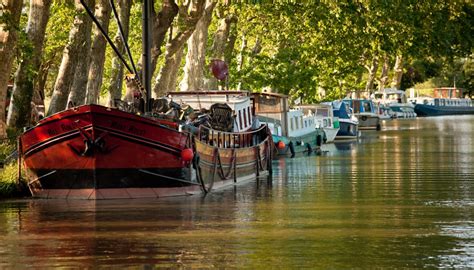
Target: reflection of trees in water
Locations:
point(403, 200)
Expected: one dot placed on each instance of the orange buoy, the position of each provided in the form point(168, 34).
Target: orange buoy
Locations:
point(187, 154)
point(281, 145)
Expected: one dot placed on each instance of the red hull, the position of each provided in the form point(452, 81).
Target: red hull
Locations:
point(95, 152)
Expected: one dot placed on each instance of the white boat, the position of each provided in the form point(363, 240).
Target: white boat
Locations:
point(348, 123)
point(293, 129)
point(365, 112)
point(396, 101)
point(383, 111)
point(324, 118)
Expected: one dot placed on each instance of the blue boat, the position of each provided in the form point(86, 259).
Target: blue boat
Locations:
point(348, 123)
point(447, 101)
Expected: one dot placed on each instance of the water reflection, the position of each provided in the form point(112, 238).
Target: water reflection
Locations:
point(402, 197)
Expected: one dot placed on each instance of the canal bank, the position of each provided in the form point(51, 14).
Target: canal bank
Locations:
point(10, 187)
point(11, 183)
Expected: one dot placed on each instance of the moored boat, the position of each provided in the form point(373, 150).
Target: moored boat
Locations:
point(365, 112)
point(396, 102)
point(348, 123)
point(96, 152)
point(383, 111)
point(234, 146)
point(447, 101)
point(293, 130)
point(324, 118)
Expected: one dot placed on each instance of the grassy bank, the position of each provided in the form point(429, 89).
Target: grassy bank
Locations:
point(9, 186)
point(8, 182)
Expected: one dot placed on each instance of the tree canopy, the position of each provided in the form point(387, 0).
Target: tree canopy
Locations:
point(316, 50)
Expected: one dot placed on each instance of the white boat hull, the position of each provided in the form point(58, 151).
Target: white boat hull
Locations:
point(330, 134)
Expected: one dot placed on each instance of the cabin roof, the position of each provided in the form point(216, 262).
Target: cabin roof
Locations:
point(270, 94)
point(203, 93)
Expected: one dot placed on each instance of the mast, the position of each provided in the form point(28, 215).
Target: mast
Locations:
point(146, 56)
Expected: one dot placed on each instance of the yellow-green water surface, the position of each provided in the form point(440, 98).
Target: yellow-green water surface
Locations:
point(402, 197)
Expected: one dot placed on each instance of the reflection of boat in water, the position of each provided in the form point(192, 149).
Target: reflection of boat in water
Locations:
point(365, 112)
point(396, 101)
point(324, 118)
point(292, 129)
point(447, 101)
point(348, 123)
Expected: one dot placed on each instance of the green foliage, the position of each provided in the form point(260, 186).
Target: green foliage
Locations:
point(307, 46)
point(8, 177)
point(134, 41)
point(460, 72)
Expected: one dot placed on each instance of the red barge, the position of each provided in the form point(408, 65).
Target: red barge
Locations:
point(95, 152)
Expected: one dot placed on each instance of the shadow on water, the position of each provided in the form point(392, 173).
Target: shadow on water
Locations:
point(401, 197)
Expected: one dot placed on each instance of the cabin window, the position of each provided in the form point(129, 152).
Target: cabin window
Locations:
point(366, 107)
point(305, 124)
point(240, 120)
point(249, 115)
point(245, 118)
point(301, 121)
point(292, 126)
point(297, 126)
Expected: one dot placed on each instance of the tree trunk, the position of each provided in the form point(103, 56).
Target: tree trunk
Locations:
point(185, 30)
point(384, 76)
point(193, 78)
point(19, 113)
point(397, 72)
point(77, 95)
point(162, 22)
point(8, 41)
point(39, 93)
point(240, 58)
point(221, 36)
point(68, 65)
point(116, 78)
point(96, 67)
point(372, 69)
point(229, 49)
point(172, 69)
point(219, 43)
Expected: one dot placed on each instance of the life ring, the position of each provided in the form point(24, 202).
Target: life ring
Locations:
point(363, 118)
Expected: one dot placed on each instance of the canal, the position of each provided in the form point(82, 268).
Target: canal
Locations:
point(399, 198)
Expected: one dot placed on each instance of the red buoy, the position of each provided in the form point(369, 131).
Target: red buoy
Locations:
point(187, 154)
point(281, 145)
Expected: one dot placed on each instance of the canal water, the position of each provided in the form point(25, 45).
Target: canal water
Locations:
point(402, 197)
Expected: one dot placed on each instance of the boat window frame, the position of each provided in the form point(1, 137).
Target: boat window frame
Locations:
point(240, 120)
point(245, 118)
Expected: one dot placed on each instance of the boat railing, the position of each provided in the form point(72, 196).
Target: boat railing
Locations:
point(224, 139)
